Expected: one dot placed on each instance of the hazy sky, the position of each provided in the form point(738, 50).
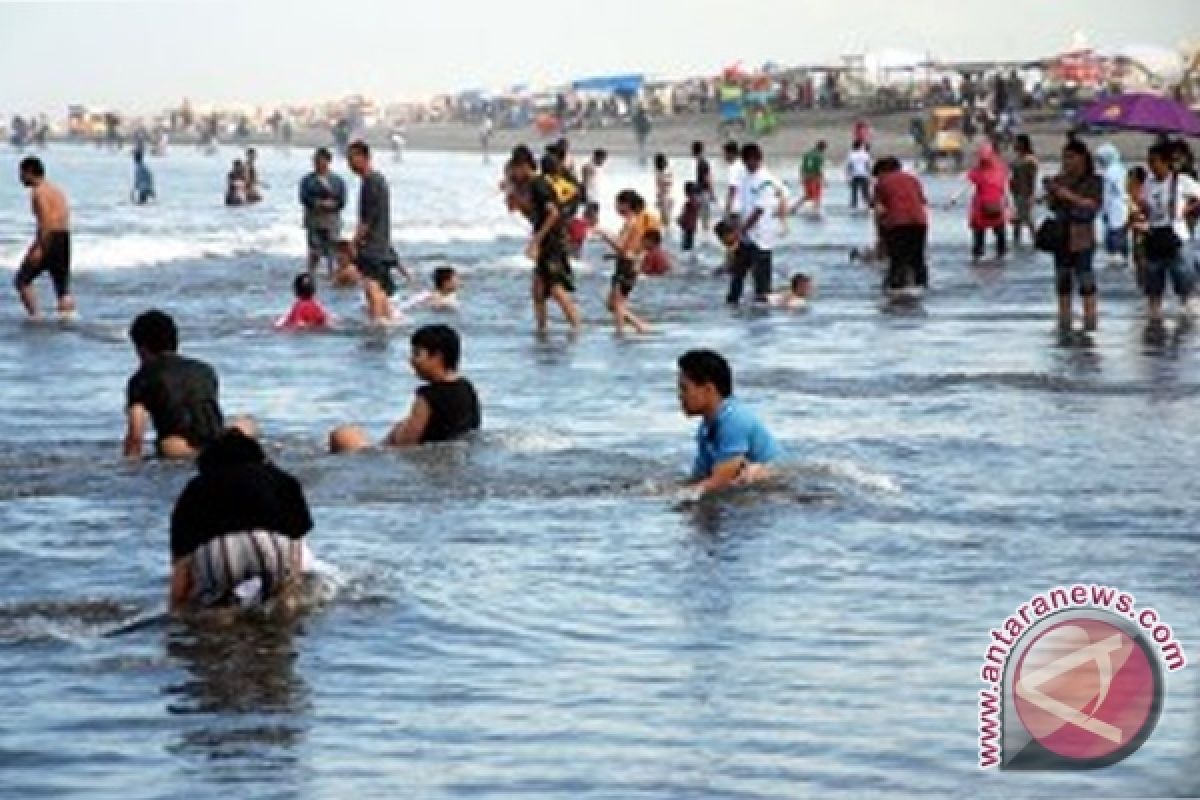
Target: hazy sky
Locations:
point(143, 56)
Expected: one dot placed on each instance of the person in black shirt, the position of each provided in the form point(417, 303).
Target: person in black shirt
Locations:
point(704, 185)
point(445, 408)
point(175, 393)
point(237, 531)
point(548, 248)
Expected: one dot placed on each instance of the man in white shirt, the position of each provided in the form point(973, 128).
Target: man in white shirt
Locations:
point(592, 176)
point(763, 197)
point(735, 172)
point(1166, 200)
point(858, 173)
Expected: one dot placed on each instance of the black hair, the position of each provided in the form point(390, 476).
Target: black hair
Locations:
point(304, 287)
point(822, 144)
point(360, 147)
point(591, 208)
point(599, 154)
point(323, 152)
point(521, 154)
point(1024, 143)
point(690, 188)
point(731, 148)
point(885, 165)
point(550, 163)
point(707, 367)
point(1138, 173)
point(629, 197)
point(442, 276)
point(697, 148)
point(1079, 148)
point(660, 161)
point(751, 152)
point(722, 229)
point(32, 165)
point(154, 332)
point(653, 236)
point(439, 340)
point(344, 246)
point(232, 448)
point(558, 149)
point(800, 277)
point(1164, 151)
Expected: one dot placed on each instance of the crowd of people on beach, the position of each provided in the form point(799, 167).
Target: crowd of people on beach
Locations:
point(236, 528)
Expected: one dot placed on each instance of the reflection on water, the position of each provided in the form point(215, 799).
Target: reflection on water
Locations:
point(242, 696)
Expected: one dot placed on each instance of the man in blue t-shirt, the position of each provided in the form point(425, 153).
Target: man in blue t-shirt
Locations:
point(733, 447)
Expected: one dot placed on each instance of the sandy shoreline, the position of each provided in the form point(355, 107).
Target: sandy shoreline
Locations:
point(673, 136)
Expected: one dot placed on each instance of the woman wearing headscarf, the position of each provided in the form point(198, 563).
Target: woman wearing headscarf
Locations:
point(989, 204)
point(1075, 196)
point(1116, 206)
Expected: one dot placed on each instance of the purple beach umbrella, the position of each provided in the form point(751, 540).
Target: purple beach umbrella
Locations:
point(1148, 113)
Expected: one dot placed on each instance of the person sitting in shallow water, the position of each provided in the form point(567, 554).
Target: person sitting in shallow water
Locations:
point(733, 447)
point(175, 393)
point(443, 296)
point(445, 407)
point(237, 530)
point(345, 273)
point(797, 294)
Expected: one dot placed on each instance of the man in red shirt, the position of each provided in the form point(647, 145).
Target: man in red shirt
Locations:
point(901, 208)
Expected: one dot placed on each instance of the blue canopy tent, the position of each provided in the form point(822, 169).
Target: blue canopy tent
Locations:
point(614, 84)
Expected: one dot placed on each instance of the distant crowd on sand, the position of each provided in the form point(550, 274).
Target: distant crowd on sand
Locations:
point(238, 529)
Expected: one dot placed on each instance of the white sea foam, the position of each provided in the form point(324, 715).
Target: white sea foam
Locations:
point(849, 471)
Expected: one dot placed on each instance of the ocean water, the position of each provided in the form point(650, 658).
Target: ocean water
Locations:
point(533, 614)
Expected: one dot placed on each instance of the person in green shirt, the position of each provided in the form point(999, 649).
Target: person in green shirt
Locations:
point(812, 176)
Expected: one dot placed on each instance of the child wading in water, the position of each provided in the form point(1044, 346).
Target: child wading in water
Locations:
point(306, 313)
point(628, 248)
point(443, 297)
point(797, 294)
point(689, 218)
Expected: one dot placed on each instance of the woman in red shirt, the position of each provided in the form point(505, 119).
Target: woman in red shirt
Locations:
point(901, 209)
point(989, 205)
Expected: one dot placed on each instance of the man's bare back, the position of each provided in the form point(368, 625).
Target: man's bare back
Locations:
point(50, 208)
point(50, 252)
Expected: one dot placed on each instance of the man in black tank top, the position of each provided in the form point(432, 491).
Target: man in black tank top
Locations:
point(445, 408)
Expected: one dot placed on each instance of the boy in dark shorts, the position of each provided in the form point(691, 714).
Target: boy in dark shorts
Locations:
point(445, 407)
point(552, 277)
point(51, 248)
point(177, 394)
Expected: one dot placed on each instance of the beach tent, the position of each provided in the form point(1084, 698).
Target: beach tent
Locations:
point(1148, 113)
point(629, 84)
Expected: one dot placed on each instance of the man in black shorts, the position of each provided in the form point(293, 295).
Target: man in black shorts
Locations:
point(177, 394)
point(51, 248)
point(548, 247)
point(374, 255)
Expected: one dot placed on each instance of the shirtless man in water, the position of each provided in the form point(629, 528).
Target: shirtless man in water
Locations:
point(51, 248)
